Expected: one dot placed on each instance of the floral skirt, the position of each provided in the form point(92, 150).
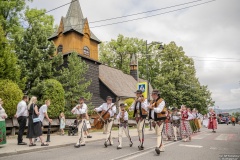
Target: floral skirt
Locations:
point(3, 133)
point(185, 128)
point(168, 129)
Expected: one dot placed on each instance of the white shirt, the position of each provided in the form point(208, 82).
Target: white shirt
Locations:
point(42, 111)
point(125, 117)
point(158, 109)
point(105, 107)
point(2, 113)
point(176, 117)
point(144, 105)
point(22, 109)
point(190, 116)
point(81, 110)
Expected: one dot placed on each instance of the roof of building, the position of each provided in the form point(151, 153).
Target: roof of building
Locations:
point(74, 21)
point(121, 84)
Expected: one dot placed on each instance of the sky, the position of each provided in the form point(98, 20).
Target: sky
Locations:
point(209, 33)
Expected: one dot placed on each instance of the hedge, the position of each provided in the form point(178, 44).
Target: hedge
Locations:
point(53, 90)
point(11, 94)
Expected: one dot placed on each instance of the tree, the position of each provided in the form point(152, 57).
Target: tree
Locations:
point(177, 80)
point(53, 90)
point(73, 81)
point(9, 69)
point(117, 53)
point(34, 50)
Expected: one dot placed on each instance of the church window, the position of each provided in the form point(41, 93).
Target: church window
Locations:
point(60, 49)
point(86, 51)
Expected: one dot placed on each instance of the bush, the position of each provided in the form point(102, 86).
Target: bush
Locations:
point(53, 90)
point(129, 102)
point(11, 94)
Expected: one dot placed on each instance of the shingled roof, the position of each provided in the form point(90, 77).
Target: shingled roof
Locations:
point(74, 21)
point(121, 84)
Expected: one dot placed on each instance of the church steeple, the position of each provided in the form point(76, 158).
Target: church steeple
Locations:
point(74, 18)
point(134, 67)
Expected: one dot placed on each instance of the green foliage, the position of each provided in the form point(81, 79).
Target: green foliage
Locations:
point(53, 90)
point(34, 50)
point(11, 95)
point(9, 69)
point(73, 81)
point(236, 114)
point(117, 53)
point(177, 80)
point(129, 102)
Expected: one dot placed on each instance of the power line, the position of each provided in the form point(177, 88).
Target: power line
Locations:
point(153, 15)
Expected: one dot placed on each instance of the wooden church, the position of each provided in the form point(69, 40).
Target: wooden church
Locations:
point(74, 35)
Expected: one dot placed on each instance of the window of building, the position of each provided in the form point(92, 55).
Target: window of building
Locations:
point(60, 49)
point(86, 51)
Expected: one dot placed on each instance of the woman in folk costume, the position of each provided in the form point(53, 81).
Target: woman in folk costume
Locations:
point(191, 118)
point(198, 120)
point(176, 116)
point(168, 128)
point(212, 123)
point(185, 127)
point(3, 116)
point(122, 117)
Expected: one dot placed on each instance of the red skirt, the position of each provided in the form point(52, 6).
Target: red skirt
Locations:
point(212, 124)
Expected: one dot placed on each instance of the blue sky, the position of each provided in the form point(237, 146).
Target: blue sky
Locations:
point(210, 31)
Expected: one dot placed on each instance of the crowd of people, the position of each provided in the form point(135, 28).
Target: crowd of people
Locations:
point(172, 124)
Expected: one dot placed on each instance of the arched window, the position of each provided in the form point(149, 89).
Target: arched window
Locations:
point(86, 51)
point(60, 49)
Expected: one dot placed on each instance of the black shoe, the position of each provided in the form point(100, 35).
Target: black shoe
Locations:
point(131, 144)
point(105, 144)
point(174, 140)
point(110, 144)
point(157, 150)
point(140, 147)
point(77, 145)
point(89, 136)
point(119, 147)
point(83, 145)
point(22, 143)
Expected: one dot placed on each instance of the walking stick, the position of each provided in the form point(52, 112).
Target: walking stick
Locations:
point(48, 133)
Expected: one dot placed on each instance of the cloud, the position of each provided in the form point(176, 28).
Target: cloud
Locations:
point(210, 30)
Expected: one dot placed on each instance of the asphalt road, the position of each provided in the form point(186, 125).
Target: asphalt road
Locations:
point(205, 145)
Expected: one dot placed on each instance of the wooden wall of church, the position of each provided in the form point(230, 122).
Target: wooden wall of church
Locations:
point(104, 92)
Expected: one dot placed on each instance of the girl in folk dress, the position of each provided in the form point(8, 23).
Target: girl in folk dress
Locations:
point(205, 121)
point(191, 118)
point(212, 123)
point(168, 128)
point(3, 116)
point(185, 125)
point(62, 122)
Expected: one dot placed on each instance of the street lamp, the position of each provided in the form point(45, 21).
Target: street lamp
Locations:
point(148, 46)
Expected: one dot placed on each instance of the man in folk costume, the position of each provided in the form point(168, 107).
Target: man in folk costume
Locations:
point(212, 123)
point(158, 114)
point(140, 113)
point(122, 117)
point(81, 111)
point(110, 108)
point(176, 116)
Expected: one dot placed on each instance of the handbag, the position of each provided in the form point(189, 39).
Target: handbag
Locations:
point(35, 120)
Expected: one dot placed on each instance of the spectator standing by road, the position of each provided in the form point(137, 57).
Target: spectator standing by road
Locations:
point(21, 116)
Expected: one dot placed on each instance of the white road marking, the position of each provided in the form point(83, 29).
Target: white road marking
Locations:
point(193, 146)
point(222, 137)
point(201, 136)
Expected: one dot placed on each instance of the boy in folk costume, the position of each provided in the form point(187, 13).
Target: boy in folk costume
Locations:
point(158, 114)
point(122, 117)
point(185, 127)
point(140, 113)
point(212, 123)
point(176, 116)
point(110, 108)
point(81, 111)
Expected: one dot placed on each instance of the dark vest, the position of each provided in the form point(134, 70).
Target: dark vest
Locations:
point(142, 115)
